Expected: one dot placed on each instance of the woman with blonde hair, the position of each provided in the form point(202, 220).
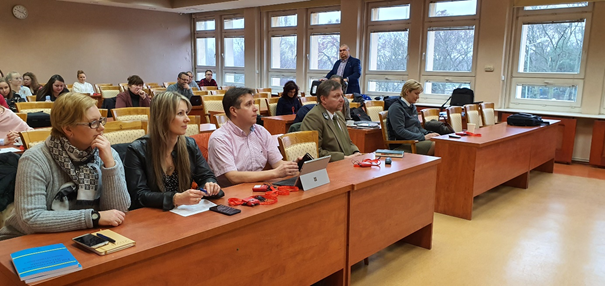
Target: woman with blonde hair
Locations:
point(403, 123)
point(161, 166)
point(16, 82)
point(81, 85)
point(73, 180)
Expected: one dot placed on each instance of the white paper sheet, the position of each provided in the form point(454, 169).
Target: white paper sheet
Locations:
point(10, 149)
point(187, 210)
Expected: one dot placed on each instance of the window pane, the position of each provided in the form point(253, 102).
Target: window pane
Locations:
point(284, 21)
point(551, 48)
point(234, 52)
point(236, 23)
point(324, 51)
point(283, 52)
point(204, 25)
point(391, 13)
point(278, 82)
point(453, 8)
point(442, 87)
point(450, 49)
point(557, 6)
point(547, 92)
point(234, 79)
point(385, 85)
point(206, 52)
point(388, 51)
point(322, 18)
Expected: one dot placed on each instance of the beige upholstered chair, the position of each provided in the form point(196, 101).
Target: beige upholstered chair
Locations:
point(103, 112)
point(227, 87)
point(266, 89)
point(272, 105)
point(383, 115)
point(193, 127)
point(373, 108)
point(157, 90)
point(220, 119)
point(118, 132)
point(212, 103)
point(153, 85)
point(208, 87)
point(201, 92)
point(99, 85)
point(454, 117)
point(297, 144)
point(218, 92)
point(257, 102)
point(36, 106)
point(472, 114)
point(31, 98)
point(487, 113)
point(308, 100)
point(262, 96)
point(123, 87)
point(169, 83)
point(109, 91)
point(429, 114)
point(130, 114)
point(34, 137)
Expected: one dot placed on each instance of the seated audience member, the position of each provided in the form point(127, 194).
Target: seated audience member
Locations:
point(346, 111)
point(3, 102)
point(182, 86)
point(403, 123)
point(9, 96)
point(16, 82)
point(11, 125)
point(192, 82)
point(288, 103)
point(31, 81)
point(81, 85)
point(74, 180)
point(134, 96)
point(208, 80)
point(53, 88)
point(240, 149)
point(329, 122)
point(161, 166)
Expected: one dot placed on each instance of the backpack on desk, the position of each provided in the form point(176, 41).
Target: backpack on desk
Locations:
point(525, 119)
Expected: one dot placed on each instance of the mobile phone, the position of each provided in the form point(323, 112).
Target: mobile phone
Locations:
point(307, 157)
point(225, 210)
point(90, 241)
point(454, 136)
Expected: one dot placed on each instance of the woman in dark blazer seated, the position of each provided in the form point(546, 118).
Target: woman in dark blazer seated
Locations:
point(134, 96)
point(53, 88)
point(161, 166)
point(288, 102)
point(403, 123)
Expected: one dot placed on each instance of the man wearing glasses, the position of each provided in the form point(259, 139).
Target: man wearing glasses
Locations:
point(182, 85)
point(349, 68)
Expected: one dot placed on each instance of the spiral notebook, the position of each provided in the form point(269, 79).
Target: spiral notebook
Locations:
point(121, 242)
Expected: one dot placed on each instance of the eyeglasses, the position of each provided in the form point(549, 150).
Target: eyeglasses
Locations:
point(95, 123)
point(183, 78)
point(343, 50)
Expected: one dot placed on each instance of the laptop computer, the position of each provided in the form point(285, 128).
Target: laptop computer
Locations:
point(312, 174)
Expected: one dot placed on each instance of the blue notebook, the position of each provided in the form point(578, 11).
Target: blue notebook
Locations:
point(44, 262)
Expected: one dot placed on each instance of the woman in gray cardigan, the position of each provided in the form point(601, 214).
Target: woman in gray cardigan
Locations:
point(73, 180)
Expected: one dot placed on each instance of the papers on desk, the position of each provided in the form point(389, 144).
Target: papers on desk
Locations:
point(187, 210)
point(9, 149)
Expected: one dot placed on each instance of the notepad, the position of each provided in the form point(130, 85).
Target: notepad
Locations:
point(122, 242)
point(39, 263)
point(389, 153)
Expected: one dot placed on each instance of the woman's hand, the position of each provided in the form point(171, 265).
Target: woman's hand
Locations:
point(111, 217)
point(212, 188)
point(142, 94)
point(12, 137)
point(104, 147)
point(188, 197)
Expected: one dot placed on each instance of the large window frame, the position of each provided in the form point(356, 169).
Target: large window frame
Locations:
point(205, 34)
point(229, 71)
point(550, 80)
point(315, 30)
point(280, 32)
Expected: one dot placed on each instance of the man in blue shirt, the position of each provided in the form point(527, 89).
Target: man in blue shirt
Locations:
point(182, 86)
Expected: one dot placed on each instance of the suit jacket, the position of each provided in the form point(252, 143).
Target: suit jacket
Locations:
point(352, 73)
point(319, 119)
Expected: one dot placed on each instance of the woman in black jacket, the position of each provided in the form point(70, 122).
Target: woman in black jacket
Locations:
point(161, 166)
point(288, 103)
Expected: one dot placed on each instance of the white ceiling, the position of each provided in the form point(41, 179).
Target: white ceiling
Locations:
point(185, 6)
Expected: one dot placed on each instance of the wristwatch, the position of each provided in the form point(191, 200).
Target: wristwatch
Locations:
point(95, 218)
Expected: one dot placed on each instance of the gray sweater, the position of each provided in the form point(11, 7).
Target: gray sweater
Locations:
point(38, 181)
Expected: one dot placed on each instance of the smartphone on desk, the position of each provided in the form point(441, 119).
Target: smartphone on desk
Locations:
point(307, 157)
point(90, 241)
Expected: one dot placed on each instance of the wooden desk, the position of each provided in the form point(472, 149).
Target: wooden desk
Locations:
point(502, 155)
point(278, 124)
point(367, 140)
point(199, 110)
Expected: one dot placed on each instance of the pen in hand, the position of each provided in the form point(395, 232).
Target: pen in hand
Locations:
point(205, 192)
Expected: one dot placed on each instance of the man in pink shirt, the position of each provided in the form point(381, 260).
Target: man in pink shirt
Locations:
point(240, 149)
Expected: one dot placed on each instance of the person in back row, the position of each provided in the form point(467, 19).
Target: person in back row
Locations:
point(53, 88)
point(208, 80)
point(326, 117)
point(288, 103)
point(181, 86)
point(31, 81)
point(239, 150)
point(16, 82)
point(192, 82)
point(81, 85)
point(134, 96)
point(9, 95)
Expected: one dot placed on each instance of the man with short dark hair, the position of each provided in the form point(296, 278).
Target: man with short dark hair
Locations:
point(182, 85)
point(328, 120)
point(239, 150)
point(349, 68)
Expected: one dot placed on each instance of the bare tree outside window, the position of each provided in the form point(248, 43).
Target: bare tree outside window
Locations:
point(450, 49)
point(324, 51)
point(283, 52)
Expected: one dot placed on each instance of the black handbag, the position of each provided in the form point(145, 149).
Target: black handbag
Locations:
point(525, 119)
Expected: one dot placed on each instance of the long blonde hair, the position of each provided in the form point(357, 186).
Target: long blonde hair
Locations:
point(162, 111)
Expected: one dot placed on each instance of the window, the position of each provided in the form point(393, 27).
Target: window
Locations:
point(401, 12)
point(235, 23)
point(387, 51)
point(385, 85)
point(452, 8)
point(206, 52)
point(324, 51)
point(284, 21)
point(234, 52)
point(450, 49)
point(282, 56)
point(325, 18)
point(205, 46)
point(283, 47)
point(204, 25)
point(323, 43)
point(234, 79)
point(277, 82)
point(444, 87)
point(557, 6)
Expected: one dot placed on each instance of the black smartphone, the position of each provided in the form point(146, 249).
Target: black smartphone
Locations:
point(90, 241)
point(225, 210)
point(305, 158)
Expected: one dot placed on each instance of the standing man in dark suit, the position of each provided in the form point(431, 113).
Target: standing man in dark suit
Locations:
point(349, 68)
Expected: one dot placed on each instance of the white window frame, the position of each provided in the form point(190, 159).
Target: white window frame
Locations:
point(206, 34)
point(281, 31)
point(450, 18)
point(231, 33)
point(313, 30)
point(440, 98)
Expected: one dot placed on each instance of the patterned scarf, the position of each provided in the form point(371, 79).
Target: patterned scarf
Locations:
point(81, 166)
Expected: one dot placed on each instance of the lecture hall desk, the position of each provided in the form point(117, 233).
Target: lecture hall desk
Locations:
point(305, 237)
point(502, 155)
point(278, 124)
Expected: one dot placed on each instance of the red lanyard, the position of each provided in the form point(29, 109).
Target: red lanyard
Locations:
point(269, 198)
point(367, 163)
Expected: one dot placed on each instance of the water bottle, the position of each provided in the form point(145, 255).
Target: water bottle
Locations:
point(1, 141)
point(48, 98)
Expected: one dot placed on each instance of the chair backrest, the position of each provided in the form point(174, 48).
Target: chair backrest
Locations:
point(354, 104)
point(202, 140)
point(130, 114)
point(99, 85)
point(383, 115)
point(157, 90)
point(297, 144)
point(33, 137)
point(272, 105)
point(31, 98)
point(169, 83)
point(429, 114)
point(472, 114)
point(123, 87)
point(201, 92)
point(70, 86)
point(227, 87)
point(218, 92)
point(373, 108)
point(118, 132)
point(193, 127)
point(454, 117)
point(36, 106)
point(212, 103)
point(308, 100)
point(265, 89)
point(208, 87)
point(487, 113)
point(23, 116)
point(103, 112)
point(151, 85)
point(220, 119)
point(257, 102)
point(109, 91)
